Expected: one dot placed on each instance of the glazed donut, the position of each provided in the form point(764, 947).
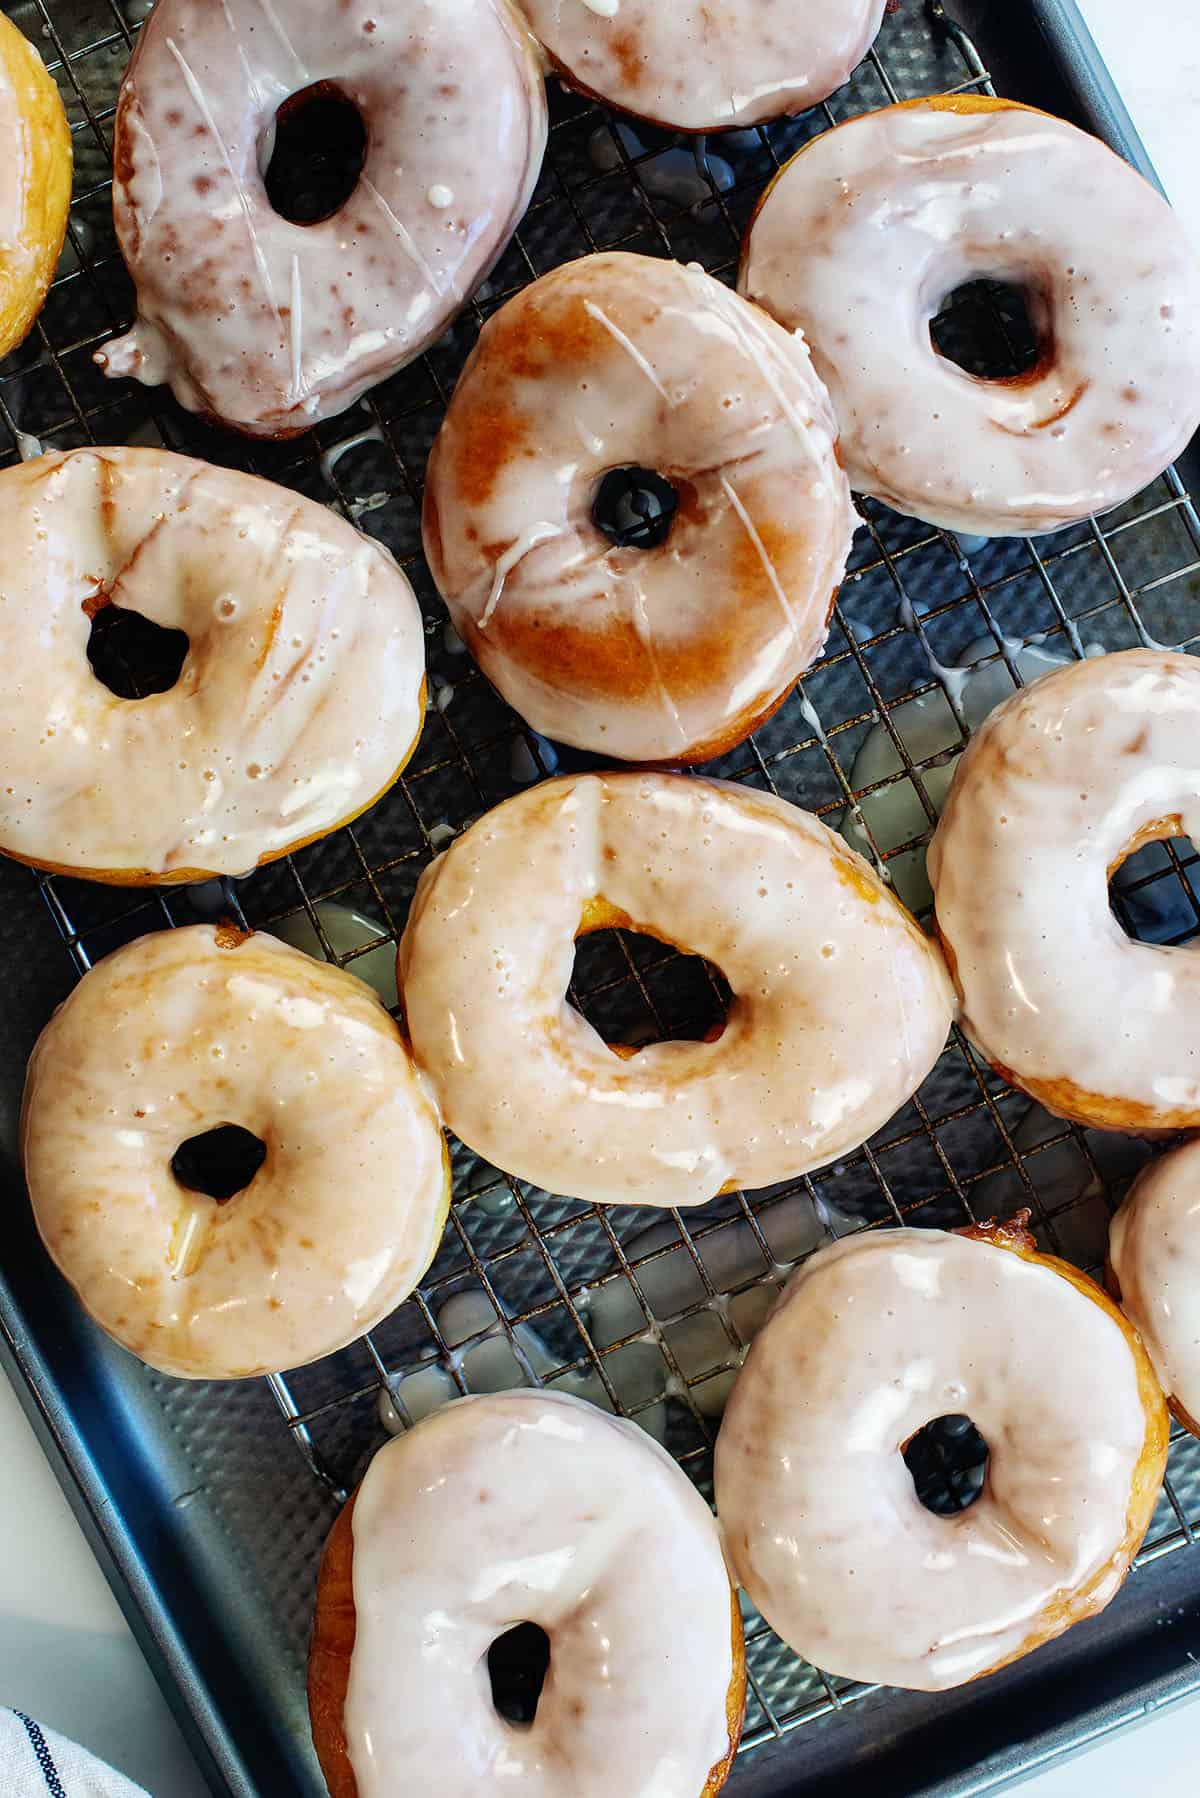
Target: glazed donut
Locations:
point(865, 234)
point(268, 326)
point(300, 698)
point(1063, 782)
point(35, 141)
point(177, 1035)
point(526, 1507)
point(841, 1004)
point(626, 369)
point(1154, 1268)
point(874, 1339)
point(698, 66)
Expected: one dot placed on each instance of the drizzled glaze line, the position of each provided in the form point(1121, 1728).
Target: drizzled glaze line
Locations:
point(631, 350)
point(760, 550)
point(751, 335)
point(387, 271)
point(512, 559)
point(202, 107)
point(676, 652)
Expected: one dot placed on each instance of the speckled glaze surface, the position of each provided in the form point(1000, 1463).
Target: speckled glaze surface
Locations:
point(706, 65)
point(35, 183)
point(1154, 1253)
point(873, 1339)
point(299, 701)
point(1048, 798)
point(534, 1507)
point(179, 1033)
point(662, 654)
point(871, 227)
point(841, 1005)
point(269, 326)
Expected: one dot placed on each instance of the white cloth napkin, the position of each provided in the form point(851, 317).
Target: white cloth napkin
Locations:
point(37, 1763)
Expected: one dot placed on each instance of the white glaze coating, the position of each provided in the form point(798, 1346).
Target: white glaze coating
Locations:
point(535, 1507)
point(650, 655)
point(874, 224)
point(841, 1005)
point(270, 326)
point(707, 65)
point(1048, 796)
point(1154, 1251)
point(298, 703)
point(873, 1339)
point(174, 1035)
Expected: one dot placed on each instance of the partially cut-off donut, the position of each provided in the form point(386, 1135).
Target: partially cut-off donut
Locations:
point(269, 320)
point(1154, 1272)
point(35, 141)
point(1062, 783)
point(532, 1512)
point(706, 65)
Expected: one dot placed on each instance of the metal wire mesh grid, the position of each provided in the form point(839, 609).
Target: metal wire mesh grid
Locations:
point(648, 1317)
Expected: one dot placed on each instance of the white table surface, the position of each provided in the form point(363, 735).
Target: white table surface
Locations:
point(66, 1654)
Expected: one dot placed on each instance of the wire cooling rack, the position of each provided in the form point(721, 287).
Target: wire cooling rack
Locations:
point(648, 1314)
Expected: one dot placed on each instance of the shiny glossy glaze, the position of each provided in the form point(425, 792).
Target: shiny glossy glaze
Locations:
point(873, 225)
point(841, 1005)
point(1154, 1252)
point(531, 1507)
point(706, 65)
point(873, 1339)
point(672, 653)
point(270, 326)
point(179, 1033)
point(1051, 794)
point(299, 701)
point(35, 183)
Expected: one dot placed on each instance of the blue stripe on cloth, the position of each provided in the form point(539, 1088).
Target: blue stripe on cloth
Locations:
point(45, 1759)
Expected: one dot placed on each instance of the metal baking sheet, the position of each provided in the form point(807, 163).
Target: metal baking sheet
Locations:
point(209, 1503)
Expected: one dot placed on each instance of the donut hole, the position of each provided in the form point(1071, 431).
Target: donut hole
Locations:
point(131, 655)
point(993, 330)
point(948, 1463)
point(220, 1162)
point(517, 1664)
point(313, 153)
point(635, 507)
point(1154, 886)
point(634, 989)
